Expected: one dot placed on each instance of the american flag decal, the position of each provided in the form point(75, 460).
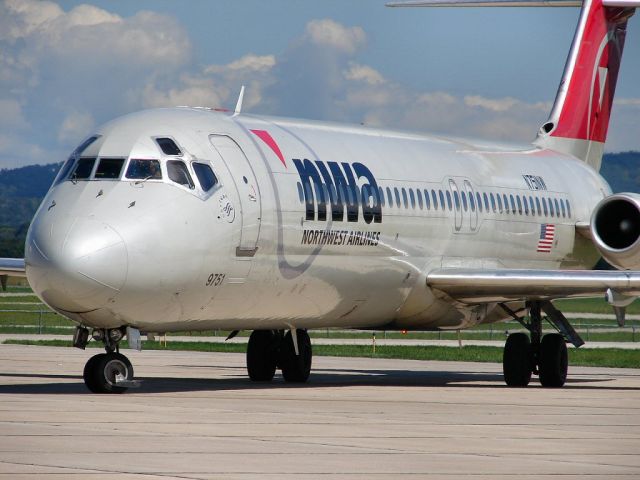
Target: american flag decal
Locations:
point(547, 235)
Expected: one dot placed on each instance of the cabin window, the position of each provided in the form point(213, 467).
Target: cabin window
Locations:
point(207, 178)
point(564, 210)
point(479, 201)
point(419, 195)
point(168, 146)
point(83, 169)
point(519, 202)
point(144, 169)
point(389, 197)
point(426, 199)
point(179, 174)
point(405, 200)
point(568, 209)
point(467, 203)
point(412, 197)
point(551, 209)
point(449, 204)
point(499, 199)
point(434, 199)
point(493, 202)
point(526, 206)
point(397, 193)
point(443, 206)
point(544, 206)
point(532, 207)
point(555, 202)
point(456, 199)
point(381, 193)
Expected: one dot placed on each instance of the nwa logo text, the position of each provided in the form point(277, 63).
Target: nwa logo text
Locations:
point(336, 186)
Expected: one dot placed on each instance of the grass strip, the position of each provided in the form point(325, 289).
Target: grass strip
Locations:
point(594, 357)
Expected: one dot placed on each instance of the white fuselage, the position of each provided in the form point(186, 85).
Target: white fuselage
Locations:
point(266, 249)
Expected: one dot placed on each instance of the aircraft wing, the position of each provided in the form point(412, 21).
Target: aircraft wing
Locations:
point(475, 286)
point(13, 267)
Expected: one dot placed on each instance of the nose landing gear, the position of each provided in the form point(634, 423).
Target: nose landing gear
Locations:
point(109, 372)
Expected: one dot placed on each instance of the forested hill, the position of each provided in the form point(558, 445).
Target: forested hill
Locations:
point(22, 189)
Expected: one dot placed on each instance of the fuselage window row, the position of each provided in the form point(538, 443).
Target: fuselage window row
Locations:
point(444, 199)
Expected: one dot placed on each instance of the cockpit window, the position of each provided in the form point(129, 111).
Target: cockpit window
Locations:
point(63, 174)
point(144, 169)
point(178, 173)
point(205, 175)
point(84, 145)
point(83, 169)
point(109, 168)
point(168, 146)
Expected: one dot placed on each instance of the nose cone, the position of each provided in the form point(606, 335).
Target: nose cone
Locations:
point(75, 265)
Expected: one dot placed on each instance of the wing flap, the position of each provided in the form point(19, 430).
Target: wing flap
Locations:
point(501, 285)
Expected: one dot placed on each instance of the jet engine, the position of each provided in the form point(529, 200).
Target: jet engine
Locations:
point(615, 229)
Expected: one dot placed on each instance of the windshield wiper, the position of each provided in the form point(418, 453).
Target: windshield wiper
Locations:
point(138, 182)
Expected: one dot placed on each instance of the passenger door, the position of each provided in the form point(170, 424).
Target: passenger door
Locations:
point(248, 192)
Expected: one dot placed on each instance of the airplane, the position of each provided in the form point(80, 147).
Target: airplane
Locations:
point(191, 218)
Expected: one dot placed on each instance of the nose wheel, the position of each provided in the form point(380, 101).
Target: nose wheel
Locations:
point(109, 372)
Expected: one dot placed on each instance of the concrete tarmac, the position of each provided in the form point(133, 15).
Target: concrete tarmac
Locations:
point(197, 416)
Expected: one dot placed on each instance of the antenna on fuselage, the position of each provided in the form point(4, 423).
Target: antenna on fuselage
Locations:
point(239, 102)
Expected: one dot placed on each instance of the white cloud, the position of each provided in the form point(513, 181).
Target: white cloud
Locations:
point(75, 126)
point(627, 102)
point(195, 91)
point(11, 115)
point(329, 33)
point(363, 73)
point(20, 18)
point(250, 62)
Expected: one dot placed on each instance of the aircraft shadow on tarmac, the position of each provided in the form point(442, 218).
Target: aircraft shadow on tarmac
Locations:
point(321, 379)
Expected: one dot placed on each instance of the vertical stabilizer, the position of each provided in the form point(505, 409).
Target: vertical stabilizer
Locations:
point(580, 117)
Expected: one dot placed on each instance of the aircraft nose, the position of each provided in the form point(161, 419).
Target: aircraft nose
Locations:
point(78, 270)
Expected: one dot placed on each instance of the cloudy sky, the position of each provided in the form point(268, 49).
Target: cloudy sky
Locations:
point(68, 66)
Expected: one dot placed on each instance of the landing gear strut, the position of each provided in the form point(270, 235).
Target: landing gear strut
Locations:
point(544, 356)
point(109, 372)
point(271, 349)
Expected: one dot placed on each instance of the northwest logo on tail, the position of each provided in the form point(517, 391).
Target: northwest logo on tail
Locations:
point(335, 186)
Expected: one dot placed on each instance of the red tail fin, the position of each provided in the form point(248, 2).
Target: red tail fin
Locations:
point(580, 117)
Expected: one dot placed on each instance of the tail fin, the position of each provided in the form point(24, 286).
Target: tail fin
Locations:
point(579, 119)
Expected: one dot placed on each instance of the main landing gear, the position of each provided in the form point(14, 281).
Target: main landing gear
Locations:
point(272, 349)
point(109, 372)
point(545, 356)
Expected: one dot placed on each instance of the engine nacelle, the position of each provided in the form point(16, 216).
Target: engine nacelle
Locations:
point(615, 229)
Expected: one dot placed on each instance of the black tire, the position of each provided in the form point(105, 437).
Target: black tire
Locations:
point(262, 355)
point(296, 368)
point(90, 375)
point(106, 369)
point(554, 360)
point(516, 360)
